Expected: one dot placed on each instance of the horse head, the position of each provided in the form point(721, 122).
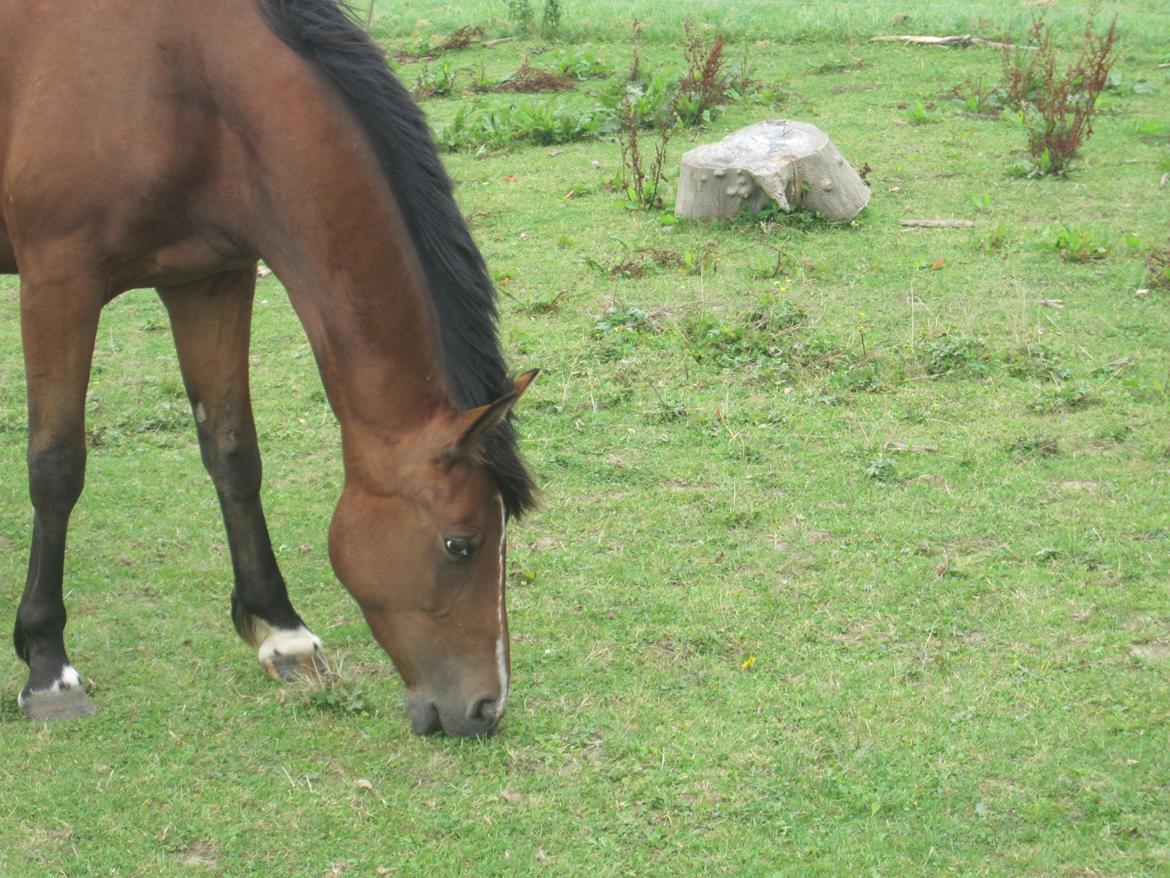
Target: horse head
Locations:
point(424, 557)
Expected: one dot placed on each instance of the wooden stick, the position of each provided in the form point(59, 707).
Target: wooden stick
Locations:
point(937, 224)
point(960, 40)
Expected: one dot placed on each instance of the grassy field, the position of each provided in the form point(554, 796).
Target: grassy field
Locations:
point(853, 551)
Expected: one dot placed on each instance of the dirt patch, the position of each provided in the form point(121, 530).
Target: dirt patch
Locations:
point(1081, 485)
point(200, 854)
point(1156, 651)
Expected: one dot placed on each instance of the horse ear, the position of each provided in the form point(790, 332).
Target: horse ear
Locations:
point(474, 425)
point(521, 383)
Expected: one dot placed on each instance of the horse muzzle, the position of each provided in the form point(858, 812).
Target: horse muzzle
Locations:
point(475, 718)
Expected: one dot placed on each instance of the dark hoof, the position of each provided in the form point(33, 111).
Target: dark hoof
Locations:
point(290, 668)
point(71, 702)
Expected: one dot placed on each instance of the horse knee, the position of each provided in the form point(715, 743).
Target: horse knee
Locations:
point(56, 474)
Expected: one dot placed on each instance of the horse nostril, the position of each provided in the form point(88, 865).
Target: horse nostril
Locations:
point(485, 708)
point(424, 718)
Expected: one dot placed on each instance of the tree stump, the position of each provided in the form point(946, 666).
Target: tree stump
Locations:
point(792, 163)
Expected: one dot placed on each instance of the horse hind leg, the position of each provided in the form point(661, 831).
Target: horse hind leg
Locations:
point(59, 318)
point(211, 325)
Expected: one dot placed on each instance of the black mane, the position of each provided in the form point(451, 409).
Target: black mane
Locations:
point(322, 32)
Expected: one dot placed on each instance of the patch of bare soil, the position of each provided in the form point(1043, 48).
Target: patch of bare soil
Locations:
point(1080, 485)
point(200, 854)
point(1155, 651)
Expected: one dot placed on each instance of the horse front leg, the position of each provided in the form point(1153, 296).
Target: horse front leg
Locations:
point(211, 325)
point(59, 318)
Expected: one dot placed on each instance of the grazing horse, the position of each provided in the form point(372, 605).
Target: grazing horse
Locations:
point(172, 144)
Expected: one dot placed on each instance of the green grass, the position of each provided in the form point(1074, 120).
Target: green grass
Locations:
point(1141, 21)
point(919, 476)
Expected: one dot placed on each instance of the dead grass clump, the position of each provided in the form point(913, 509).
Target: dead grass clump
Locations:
point(528, 79)
point(639, 263)
point(662, 258)
point(461, 38)
point(1158, 269)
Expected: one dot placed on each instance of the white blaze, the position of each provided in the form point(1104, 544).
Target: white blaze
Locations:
point(501, 661)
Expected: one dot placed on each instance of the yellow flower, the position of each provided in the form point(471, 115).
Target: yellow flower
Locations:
point(748, 663)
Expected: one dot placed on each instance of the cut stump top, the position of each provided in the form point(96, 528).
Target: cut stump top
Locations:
point(788, 162)
point(764, 143)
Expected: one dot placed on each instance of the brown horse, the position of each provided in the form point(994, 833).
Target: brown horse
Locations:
point(172, 144)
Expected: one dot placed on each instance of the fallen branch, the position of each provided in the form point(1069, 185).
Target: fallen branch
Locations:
point(461, 38)
point(961, 41)
point(487, 44)
point(907, 448)
point(937, 224)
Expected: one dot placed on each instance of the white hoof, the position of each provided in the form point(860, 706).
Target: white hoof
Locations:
point(291, 654)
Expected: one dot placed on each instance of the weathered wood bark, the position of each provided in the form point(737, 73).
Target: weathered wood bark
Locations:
point(791, 163)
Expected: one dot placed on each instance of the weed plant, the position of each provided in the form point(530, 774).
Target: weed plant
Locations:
point(523, 17)
point(437, 81)
point(1076, 244)
point(642, 178)
point(580, 64)
point(643, 100)
point(981, 97)
point(525, 121)
point(951, 353)
point(1157, 265)
point(692, 100)
point(1057, 106)
point(704, 84)
point(918, 114)
point(550, 19)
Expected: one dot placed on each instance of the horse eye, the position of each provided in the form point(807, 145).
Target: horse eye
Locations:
point(458, 547)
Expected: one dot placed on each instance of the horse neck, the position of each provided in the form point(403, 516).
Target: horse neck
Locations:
point(332, 232)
